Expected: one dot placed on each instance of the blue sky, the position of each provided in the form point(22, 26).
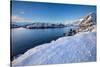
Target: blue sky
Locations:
point(48, 12)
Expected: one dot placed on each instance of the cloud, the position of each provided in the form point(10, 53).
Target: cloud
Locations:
point(20, 19)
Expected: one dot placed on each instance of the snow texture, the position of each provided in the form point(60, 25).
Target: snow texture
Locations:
point(70, 49)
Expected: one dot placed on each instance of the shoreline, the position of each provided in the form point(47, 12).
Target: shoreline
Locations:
point(32, 50)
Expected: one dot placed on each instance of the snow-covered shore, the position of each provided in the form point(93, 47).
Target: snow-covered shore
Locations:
point(69, 49)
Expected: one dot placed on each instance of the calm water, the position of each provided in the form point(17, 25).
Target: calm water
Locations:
point(24, 39)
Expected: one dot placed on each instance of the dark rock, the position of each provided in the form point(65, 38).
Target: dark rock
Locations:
point(70, 33)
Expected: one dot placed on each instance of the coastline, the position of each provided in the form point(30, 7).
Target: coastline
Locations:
point(35, 51)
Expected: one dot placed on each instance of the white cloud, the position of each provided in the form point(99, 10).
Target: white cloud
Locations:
point(20, 19)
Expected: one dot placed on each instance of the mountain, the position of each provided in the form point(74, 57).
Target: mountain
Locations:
point(21, 23)
point(88, 23)
point(14, 26)
point(85, 24)
point(36, 25)
point(89, 20)
point(44, 25)
point(93, 17)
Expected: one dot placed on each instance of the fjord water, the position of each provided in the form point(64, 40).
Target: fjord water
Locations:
point(23, 39)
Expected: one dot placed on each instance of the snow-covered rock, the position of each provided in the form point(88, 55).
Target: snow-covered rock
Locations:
point(87, 22)
point(78, 48)
point(94, 29)
point(90, 28)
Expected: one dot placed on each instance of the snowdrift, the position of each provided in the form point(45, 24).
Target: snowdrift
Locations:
point(70, 49)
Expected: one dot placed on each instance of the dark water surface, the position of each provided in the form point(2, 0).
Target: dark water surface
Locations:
point(23, 39)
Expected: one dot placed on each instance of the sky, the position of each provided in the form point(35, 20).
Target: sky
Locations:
point(22, 11)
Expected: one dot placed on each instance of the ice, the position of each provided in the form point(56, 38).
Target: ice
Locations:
point(69, 49)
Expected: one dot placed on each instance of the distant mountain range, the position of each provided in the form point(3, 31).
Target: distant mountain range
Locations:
point(88, 19)
point(44, 25)
point(36, 25)
point(14, 26)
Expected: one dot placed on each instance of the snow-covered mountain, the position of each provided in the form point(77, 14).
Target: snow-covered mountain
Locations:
point(93, 18)
point(14, 26)
point(36, 25)
point(89, 20)
point(44, 25)
point(88, 23)
point(85, 24)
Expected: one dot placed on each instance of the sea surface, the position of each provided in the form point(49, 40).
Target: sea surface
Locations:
point(23, 39)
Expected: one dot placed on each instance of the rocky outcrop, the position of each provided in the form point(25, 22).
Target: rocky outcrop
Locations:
point(70, 33)
point(88, 24)
point(90, 29)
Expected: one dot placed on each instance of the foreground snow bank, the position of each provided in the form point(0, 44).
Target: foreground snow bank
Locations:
point(78, 48)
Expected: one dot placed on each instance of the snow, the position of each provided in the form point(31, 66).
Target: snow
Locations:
point(70, 49)
point(44, 25)
point(93, 17)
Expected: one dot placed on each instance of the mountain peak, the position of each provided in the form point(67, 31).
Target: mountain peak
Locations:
point(89, 19)
point(93, 17)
